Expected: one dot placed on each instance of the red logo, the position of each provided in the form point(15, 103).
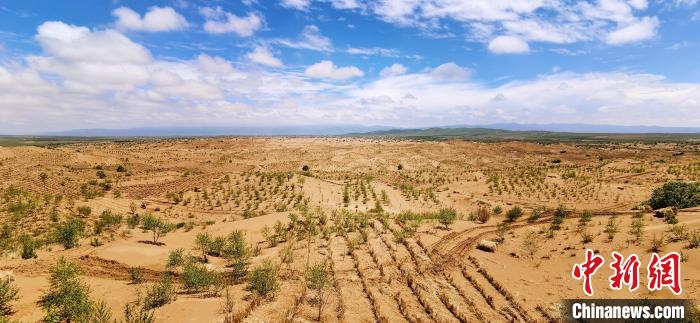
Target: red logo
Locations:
point(586, 269)
point(662, 271)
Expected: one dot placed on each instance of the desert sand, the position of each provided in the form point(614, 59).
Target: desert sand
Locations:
point(381, 269)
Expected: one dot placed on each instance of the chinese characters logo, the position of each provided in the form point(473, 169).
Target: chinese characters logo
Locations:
point(661, 272)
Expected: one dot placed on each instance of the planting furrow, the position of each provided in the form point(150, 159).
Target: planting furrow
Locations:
point(406, 301)
point(382, 296)
point(501, 290)
point(351, 288)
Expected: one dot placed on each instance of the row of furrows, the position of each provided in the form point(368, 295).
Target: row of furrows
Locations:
point(439, 301)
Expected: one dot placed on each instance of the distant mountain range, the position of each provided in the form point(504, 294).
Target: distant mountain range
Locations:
point(322, 130)
point(326, 130)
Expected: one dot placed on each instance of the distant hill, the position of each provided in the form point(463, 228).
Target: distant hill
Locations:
point(488, 134)
point(322, 130)
point(581, 128)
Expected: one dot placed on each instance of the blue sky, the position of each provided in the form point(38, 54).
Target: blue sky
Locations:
point(120, 64)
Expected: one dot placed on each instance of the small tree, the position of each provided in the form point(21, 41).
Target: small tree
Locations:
point(69, 232)
point(8, 294)
point(305, 168)
point(318, 279)
point(447, 216)
point(514, 214)
point(263, 279)
point(238, 253)
point(157, 225)
point(203, 243)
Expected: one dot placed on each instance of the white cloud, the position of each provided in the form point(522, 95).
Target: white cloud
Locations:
point(451, 72)
point(83, 78)
point(347, 4)
point(79, 44)
point(296, 4)
point(393, 70)
point(310, 38)
point(328, 70)
point(156, 19)
point(373, 51)
point(635, 32)
point(547, 21)
point(219, 21)
point(262, 55)
point(508, 45)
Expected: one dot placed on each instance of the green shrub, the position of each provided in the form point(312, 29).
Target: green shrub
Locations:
point(514, 214)
point(67, 299)
point(121, 169)
point(28, 246)
point(447, 216)
point(160, 294)
point(176, 258)
point(679, 194)
point(84, 211)
point(136, 275)
point(137, 313)
point(107, 220)
point(69, 232)
point(8, 294)
point(586, 217)
point(611, 228)
point(534, 216)
point(263, 279)
point(497, 210)
point(198, 278)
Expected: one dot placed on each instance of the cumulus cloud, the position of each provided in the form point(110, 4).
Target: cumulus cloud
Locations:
point(393, 70)
point(310, 38)
point(156, 19)
point(635, 32)
point(219, 21)
point(508, 45)
point(87, 78)
point(328, 70)
point(451, 72)
point(263, 56)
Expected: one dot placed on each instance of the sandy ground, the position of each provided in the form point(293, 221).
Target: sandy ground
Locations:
point(435, 275)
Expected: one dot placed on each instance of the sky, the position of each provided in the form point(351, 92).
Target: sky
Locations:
point(404, 63)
